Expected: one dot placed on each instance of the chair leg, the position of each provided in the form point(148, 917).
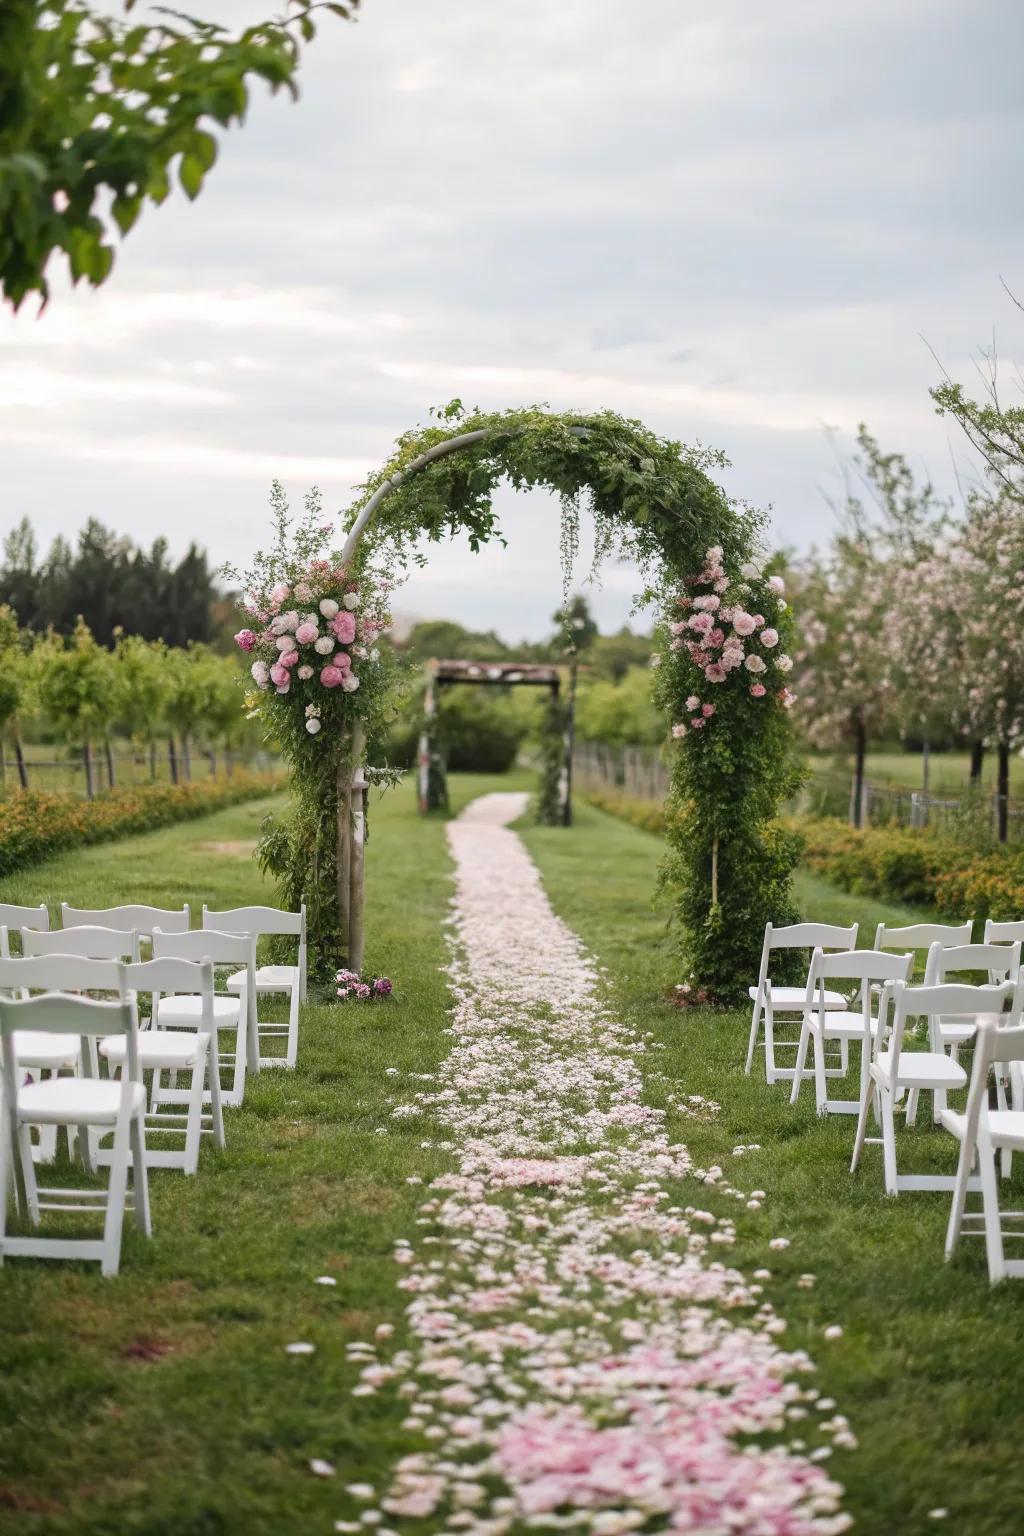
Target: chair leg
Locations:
point(194, 1122)
point(990, 1207)
point(820, 1087)
point(913, 1097)
point(116, 1190)
point(888, 1141)
point(959, 1204)
point(801, 1061)
point(862, 1124)
point(29, 1187)
point(216, 1104)
point(140, 1176)
point(5, 1159)
point(755, 1029)
point(293, 1026)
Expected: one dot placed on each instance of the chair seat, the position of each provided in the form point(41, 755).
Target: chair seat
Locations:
point(1005, 1126)
point(922, 1069)
point(157, 1048)
point(75, 1101)
point(39, 1048)
point(784, 998)
point(269, 978)
point(958, 1033)
point(189, 1011)
point(842, 1026)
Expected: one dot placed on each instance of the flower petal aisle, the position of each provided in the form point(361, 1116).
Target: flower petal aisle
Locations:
point(581, 1357)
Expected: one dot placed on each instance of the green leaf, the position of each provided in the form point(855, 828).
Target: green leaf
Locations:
point(190, 174)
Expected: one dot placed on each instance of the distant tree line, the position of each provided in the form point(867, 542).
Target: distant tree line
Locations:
point(112, 584)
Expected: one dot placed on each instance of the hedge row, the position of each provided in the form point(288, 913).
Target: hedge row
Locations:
point(648, 815)
point(916, 868)
point(33, 826)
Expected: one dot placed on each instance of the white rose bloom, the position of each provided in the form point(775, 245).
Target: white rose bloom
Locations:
point(754, 664)
point(305, 673)
point(324, 646)
point(328, 607)
point(260, 673)
point(351, 601)
point(312, 725)
point(290, 620)
point(784, 663)
point(285, 643)
point(350, 682)
point(279, 625)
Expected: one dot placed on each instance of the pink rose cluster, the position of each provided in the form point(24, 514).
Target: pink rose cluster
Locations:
point(351, 985)
point(317, 641)
point(720, 635)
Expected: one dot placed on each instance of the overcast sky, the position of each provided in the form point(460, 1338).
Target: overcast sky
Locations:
point(735, 221)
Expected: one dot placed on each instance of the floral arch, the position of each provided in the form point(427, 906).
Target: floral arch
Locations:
point(327, 689)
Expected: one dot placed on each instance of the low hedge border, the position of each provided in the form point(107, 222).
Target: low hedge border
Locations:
point(916, 868)
point(36, 825)
point(905, 866)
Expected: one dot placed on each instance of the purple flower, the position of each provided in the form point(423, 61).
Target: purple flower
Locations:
point(361, 989)
point(382, 986)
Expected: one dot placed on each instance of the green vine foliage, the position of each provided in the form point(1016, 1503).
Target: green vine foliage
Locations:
point(655, 503)
point(552, 764)
point(97, 113)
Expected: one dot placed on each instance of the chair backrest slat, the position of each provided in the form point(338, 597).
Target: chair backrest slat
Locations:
point(14, 917)
point(922, 935)
point(1003, 933)
point(63, 1014)
point(92, 942)
point(259, 921)
point(67, 973)
point(204, 944)
point(951, 1000)
point(862, 965)
point(998, 960)
point(813, 936)
point(142, 919)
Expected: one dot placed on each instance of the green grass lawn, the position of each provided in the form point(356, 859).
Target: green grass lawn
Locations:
point(928, 1368)
point(162, 1403)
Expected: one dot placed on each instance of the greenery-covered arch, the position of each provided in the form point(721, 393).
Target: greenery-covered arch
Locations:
point(654, 502)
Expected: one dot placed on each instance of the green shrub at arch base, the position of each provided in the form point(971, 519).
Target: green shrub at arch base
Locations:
point(655, 504)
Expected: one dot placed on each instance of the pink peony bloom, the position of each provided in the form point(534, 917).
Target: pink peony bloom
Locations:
point(709, 603)
point(324, 646)
point(280, 594)
point(777, 584)
point(343, 626)
point(707, 710)
point(758, 690)
point(742, 623)
point(715, 673)
point(759, 621)
point(342, 660)
point(755, 664)
point(288, 658)
point(678, 731)
point(303, 592)
point(697, 723)
point(306, 634)
point(350, 682)
point(693, 702)
point(715, 637)
point(279, 675)
point(328, 607)
point(245, 639)
point(260, 673)
point(769, 637)
point(305, 673)
point(331, 677)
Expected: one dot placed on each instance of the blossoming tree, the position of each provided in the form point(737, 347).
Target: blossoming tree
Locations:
point(324, 687)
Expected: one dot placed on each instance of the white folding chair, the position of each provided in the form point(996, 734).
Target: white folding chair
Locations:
point(995, 933)
point(85, 1102)
point(283, 980)
point(770, 1001)
point(999, 962)
point(140, 919)
point(174, 1051)
point(231, 1010)
point(982, 1133)
point(38, 1051)
point(13, 917)
point(864, 970)
point(90, 943)
point(893, 1068)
